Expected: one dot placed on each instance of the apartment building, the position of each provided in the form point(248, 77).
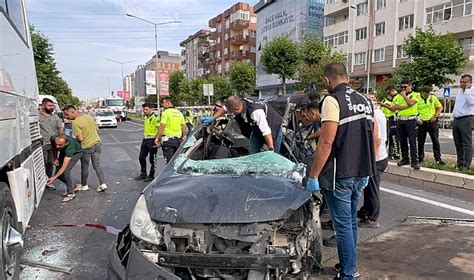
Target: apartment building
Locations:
point(372, 32)
point(194, 54)
point(233, 38)
point(292, 18)
point(166, 64)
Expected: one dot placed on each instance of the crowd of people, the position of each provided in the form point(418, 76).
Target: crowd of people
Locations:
point(66, 144)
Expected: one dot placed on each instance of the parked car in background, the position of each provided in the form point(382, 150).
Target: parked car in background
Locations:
point(105, 119)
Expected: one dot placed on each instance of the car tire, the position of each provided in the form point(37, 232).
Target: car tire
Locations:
point(10, 256)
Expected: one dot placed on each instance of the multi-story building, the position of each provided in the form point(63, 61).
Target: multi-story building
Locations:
point(292, 18)
point(128, 83)
point(233, 38)
point(166, 64)
point(195, 53)
point(372, 32)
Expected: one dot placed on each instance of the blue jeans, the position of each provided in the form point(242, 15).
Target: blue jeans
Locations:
point(343, 203)
point(257, 141)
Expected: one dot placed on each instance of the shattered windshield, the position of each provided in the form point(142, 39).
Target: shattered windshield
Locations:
point(265, 163)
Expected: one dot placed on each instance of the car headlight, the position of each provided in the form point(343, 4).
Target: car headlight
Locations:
point(142, 225)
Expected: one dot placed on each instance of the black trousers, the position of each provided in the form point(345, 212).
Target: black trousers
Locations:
point(432, 129)
point(371, 206)
point(407, 133)
point(170, 147)
point(147, 148)
point(462, 134)
point(393, 142)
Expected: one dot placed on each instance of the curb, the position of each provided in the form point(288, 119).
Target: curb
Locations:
point(447, 183)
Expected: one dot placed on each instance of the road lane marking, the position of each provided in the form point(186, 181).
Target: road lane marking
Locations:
point(429, 201)
point(114, 138)
point(135, 123)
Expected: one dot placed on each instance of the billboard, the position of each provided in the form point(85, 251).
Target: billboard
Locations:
point(150, 80)
point(124, 94)
point(163, 82)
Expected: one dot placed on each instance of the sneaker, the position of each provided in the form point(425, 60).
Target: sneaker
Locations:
point(337, 268)
point(149, 179)
point(101, 188)
point(338, 276)
point(368, 224)
point(403, 162)
point(80, 187)
point(140, 177)
point(415, 166)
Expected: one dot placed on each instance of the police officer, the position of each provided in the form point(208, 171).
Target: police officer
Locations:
point(406, 105)
point(344, 160)
point(390, 114)
point(150, 130)
point(429, 109)
point(189, 117)
point(172, 129)
point(257, 121)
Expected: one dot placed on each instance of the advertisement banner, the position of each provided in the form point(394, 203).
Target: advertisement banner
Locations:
point(163, 81)
point(124, 94)
point(150, 80)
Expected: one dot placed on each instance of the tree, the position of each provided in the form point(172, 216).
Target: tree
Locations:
point(281, 57)
point(242, 78)
point(433, 56)
point(222, 88)
point(49, 80)
point(314, 56)
point(175, 81)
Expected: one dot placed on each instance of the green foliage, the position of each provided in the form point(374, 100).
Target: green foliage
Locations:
point(242, 77)
point(49, 80)
point(281, 57)
point(433, 56)
point(174, 84)
point(314, 56)
point(152, 100)
point(222, 87)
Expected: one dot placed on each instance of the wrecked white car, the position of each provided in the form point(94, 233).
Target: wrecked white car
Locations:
point(216, 213)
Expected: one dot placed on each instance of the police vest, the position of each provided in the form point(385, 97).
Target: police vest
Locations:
point(387, 112)
point(353, 152)
point(250, 126)
point(150, 124)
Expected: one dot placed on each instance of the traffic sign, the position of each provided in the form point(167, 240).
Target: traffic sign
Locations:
point(447, 91)
point(208, 89)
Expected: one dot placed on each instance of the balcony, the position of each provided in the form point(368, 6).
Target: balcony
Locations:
point(203, 43)
point(239, 39)
point(239, 55)
point(332, 8)
point(203, 55)
point(239, 24)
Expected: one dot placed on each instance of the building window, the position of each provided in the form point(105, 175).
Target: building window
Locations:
point(445, 12)
point(240, 14)
point(219, 68)
point(226, 51)
point(253, 33)
point(253, 19)
point(227, 65)
point(361, 34)
point(218, 27)
point(219, 39)
point(337, 39)
point(405, 22)
point(227, 24)
point(466, 43)
point(359, 58)
point(462, 8)
point(401, 51)
point(362, 9)
point(218, 54)
point(381, 4)
point(253, 49)
point(379, 55)
point(226, 36)
point(328, 21)
point(379, 29)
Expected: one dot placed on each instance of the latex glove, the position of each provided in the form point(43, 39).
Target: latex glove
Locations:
point(313, 185)
point(207, 120)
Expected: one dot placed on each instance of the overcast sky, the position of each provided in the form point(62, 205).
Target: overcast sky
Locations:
point(86, 32)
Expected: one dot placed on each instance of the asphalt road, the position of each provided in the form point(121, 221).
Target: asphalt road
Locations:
point(85, 249)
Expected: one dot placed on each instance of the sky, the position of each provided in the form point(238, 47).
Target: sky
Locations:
point(85, 33)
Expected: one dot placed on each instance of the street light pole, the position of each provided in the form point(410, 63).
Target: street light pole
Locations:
point(155, 24)
point(121, 64)
point(108, 81)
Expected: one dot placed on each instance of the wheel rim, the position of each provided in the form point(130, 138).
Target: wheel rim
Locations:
point(12, 243)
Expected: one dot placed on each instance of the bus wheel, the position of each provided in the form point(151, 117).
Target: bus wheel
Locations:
point(12, 241)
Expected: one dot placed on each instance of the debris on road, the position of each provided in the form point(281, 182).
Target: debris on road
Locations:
point(56, 268)
point(108, 229)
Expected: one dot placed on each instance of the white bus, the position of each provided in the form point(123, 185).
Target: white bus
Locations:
point(22, 172)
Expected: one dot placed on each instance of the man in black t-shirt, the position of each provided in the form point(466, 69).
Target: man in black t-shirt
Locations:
point(70, 153)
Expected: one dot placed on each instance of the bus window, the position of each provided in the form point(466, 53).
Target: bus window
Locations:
point(15, 12)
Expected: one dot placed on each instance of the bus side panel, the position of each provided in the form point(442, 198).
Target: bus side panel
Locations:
point(9, 128)
point(23, 192)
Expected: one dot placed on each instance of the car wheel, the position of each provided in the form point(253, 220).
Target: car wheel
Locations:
point(12, 241)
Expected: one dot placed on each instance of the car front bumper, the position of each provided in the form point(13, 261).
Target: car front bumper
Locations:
point(140, 266)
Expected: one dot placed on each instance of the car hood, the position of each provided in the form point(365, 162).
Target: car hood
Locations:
point(223, 199)
point(110, 118)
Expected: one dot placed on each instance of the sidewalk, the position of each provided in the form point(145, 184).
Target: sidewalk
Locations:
point(452, 184)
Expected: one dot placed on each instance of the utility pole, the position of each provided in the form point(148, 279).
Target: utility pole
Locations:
point(121, 64)
point(155, 24)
